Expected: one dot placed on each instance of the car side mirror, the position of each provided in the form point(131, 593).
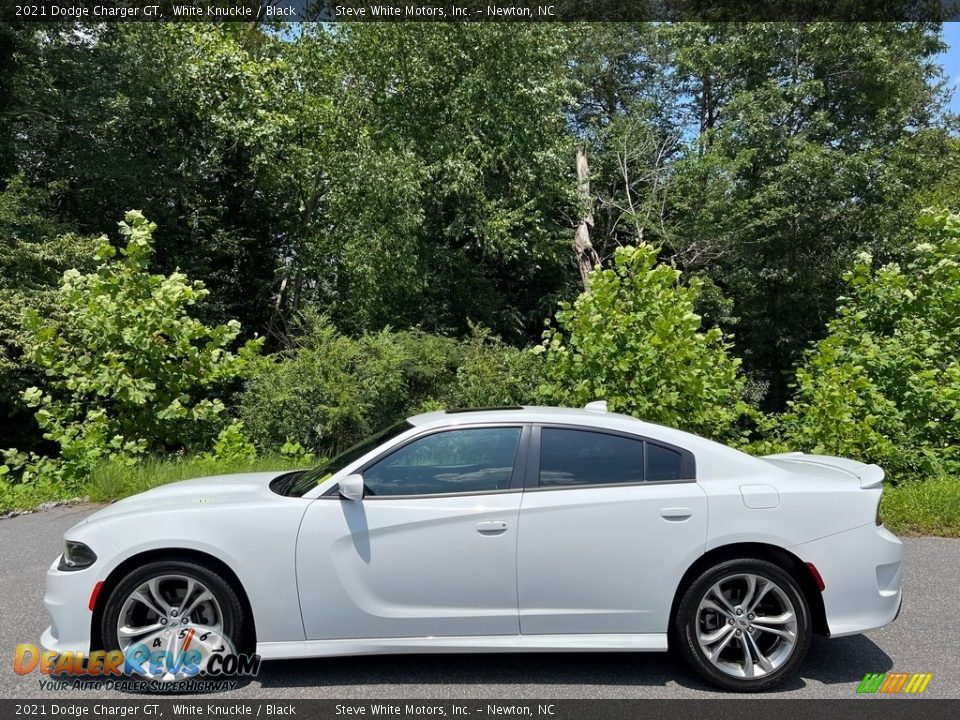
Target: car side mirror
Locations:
point(351, 487)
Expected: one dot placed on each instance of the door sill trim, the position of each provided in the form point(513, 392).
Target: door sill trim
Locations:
point(646, 642)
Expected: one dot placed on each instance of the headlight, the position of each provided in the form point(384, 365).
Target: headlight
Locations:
point(76, 556)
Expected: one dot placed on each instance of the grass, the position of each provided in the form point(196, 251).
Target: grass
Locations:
point(927, 507)
point(27, 497)
point(113, 481)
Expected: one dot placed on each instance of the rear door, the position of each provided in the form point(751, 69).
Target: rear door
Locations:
point(609, 523)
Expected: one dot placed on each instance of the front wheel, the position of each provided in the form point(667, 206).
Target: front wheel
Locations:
point(744, 625)
point(170, 618)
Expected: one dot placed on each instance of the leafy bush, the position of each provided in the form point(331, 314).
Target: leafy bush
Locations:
point(127, 368)
point(492, 373)
point(25, 496)
point(884, 385)
point(633, 339)
point(332, 390)
point(231, 445)
point(295, 452)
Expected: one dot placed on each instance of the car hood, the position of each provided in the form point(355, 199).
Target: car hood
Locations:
point(218, 489)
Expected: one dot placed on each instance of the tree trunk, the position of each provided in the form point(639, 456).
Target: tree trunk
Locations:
point(587, 258)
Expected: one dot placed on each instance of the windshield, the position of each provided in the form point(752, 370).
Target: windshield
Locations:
point(300, 483)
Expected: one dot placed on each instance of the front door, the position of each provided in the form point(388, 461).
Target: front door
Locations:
point(429, 551)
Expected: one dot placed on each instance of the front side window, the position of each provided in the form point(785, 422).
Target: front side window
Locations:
point(296, 484)
point(454, 461)
point(569, 458)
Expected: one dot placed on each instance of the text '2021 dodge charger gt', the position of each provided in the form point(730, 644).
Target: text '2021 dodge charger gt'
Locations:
point(508, 529)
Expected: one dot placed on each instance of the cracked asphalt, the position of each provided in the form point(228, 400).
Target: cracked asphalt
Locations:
point(924, 639)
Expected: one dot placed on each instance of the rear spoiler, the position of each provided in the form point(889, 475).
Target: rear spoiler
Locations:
point(870, 476)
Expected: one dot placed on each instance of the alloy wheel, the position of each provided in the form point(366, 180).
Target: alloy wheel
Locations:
point(746, 626)
point(171, 625)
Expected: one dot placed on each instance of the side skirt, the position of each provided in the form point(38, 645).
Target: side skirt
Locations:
point(655, 642)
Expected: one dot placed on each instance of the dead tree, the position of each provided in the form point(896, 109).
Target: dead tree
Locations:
point(587, 258)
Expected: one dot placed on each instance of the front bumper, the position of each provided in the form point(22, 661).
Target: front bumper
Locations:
point(862, 571)
point(67, 597)
point(68, 592)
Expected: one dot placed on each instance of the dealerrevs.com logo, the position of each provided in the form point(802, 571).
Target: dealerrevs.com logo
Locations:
point(198, 662)
point(895, 683)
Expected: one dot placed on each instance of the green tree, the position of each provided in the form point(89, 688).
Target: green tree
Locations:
point(796, 164)
point(762, 156)
point(884, 385)
point(35, 250)
point(441, 198)
point(633, 339)
point(126, 367)
point(424, 176)
point(87, 115)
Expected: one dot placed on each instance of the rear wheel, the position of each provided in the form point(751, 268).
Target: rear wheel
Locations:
point(744, 625)
point(170, 617)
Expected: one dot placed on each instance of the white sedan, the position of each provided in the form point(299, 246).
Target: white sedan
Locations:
point(506, 529)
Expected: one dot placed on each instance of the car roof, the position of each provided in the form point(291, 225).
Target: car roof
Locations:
point(592, 416)
point(524, 413)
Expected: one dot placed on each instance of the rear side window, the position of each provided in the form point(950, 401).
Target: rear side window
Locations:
point(569, 458)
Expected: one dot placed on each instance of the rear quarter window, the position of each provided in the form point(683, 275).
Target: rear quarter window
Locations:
point(663, 463)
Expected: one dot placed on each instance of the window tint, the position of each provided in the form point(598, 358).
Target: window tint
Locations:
point(296, 484)
point(579, 457)
point(663, 463)
point(469, 460)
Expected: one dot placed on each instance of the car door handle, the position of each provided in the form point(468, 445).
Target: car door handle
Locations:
point(491, 527)
point(676, 514)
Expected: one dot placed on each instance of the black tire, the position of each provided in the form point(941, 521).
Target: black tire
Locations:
point(234, 624)
point(686, 625)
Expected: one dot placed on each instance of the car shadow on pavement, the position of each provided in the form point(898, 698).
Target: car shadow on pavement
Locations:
point(475, 669)
point(843, 660)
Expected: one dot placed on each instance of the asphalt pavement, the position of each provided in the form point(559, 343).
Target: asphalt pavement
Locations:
point(924, 639)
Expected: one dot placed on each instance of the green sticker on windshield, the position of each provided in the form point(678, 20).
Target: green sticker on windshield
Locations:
point(327, 475)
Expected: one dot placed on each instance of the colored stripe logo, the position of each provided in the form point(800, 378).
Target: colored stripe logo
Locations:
point(894, 683)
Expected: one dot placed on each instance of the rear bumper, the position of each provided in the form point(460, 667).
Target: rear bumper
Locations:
point(862, 571)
